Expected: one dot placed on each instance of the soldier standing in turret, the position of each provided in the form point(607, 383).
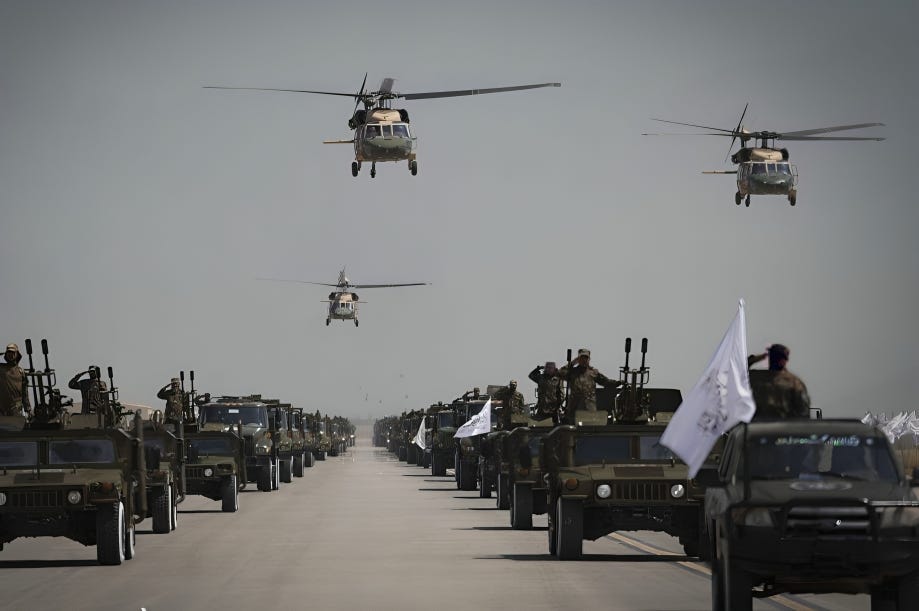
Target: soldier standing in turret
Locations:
point(14, 386)
point(175, 401)
point(777, 392)
point(90, 390)
point(512, 401)
point(582, 384)
point(550, 393)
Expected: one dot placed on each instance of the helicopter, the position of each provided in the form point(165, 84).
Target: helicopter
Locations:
point(381, 132)
point(343, 302)
point(764, 169)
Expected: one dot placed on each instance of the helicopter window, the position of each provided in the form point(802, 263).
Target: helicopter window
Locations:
point(373, 131)
point(759, 168)
point(387, 131)
point(400, 130)
point(782, 168)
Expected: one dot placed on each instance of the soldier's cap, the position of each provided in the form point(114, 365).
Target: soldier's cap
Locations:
point(550, 365)
point(13, 348)
point(584, 352)
point(174, 381)
point(513, 383)
point(779, 351)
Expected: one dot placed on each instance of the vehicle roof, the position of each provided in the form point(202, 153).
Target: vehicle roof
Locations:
point(235, 404)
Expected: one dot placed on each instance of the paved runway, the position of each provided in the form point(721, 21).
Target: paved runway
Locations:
point(364, 531)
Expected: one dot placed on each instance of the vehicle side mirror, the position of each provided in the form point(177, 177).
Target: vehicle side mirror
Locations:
point(708, 478)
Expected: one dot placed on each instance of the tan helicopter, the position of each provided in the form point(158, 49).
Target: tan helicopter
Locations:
point(343, 302)
point(764, 170)
point(383, 133)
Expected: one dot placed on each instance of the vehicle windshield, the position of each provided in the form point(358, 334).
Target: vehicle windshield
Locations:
point(18, 453)
point(445, 419)
point(820, 456)
point(782, 168)
point(253, 415)
point(155, 442)
point(650, 448)
point(534, 446)
point(203, 446)
point(400, 130)
point(81, 451)
point(593, 450)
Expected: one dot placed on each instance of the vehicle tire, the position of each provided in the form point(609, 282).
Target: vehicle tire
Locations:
point(522, 507)
point(161, 510)
point(907, 591)
point(484, 482)
point(738, 594)
point(229, 494)
point(130, 538)
point(553, 536)
point(263, 479)
point(570, 528)
point(747, 202)
point(467, 476)
point(353, 168)
point(310, 460)
point(503, 492)
point(285, 470)
point(718, 586)
point(737, 198)
point(110, 534)
point(321, 455)
point(414, 167)
point(457, 469)
point(174, 518)
point(298, 466)
point(276, 475)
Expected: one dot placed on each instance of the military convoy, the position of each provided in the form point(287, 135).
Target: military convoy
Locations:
point(94, 476)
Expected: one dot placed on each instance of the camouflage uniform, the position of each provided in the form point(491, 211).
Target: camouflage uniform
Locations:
point(175, 402)
point(779, 394)
point(550, 394)
point(512, 402)
point(90, 391)
point(582, 386)
point(14, 386)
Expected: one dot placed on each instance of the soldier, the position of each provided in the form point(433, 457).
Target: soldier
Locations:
point(14, 386)
point(175, 402)
point(582, 384)
point(90, 389)
point(550, 394)
point(512, 401)
point(777, 392)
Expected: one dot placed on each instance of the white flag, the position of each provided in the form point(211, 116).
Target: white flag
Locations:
point(478, 424)
point(419, 436)
point(718, 401)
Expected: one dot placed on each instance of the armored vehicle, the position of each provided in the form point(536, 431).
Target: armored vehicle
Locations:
point(527, 493)
point(302, 455)
point(440, 446)
point(323, 441)
point(282, 438)
point(610, 472)
point(493, 463)
point(249, 416)
point(80, 476)
point(812, 506)
point(165, 460)
point(468, 449)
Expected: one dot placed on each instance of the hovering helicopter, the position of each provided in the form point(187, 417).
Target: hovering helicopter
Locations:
point(764, 170)
point(383, 133)
point(343, 302)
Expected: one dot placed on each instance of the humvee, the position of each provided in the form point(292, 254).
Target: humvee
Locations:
point(249, 416)
point(521, 466)
point(440, 448)
point(468, 449)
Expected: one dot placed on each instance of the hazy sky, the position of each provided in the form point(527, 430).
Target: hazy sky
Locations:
point(137, 208)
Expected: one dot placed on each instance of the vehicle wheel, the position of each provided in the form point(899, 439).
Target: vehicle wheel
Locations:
point(110, 533)
point(747, 202)
point(484, 483)
point(413, 166)
point(738, 591)
point(737, 198)
point(793, 198)
point(130, 538)
point(438, 468)
point(522, 507)
point(174, 521)
point(907, 591)
point(327, 321)
point(310, 460)
point(373, 173)
point(354, 168)
point(717, 583)
point(298, 466)
point(285, 471)
point(321, 455)
point(275, 476)
point(161, 510)
point(263, 480)
point(457, 469)
point(503, 493)
point(229, 494)
point(553, 536)
point(570, 528)
point(467, 477)
point(357, 323)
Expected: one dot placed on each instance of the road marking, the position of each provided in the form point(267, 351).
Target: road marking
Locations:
point(701, 569)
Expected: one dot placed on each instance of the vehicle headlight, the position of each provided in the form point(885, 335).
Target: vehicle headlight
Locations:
point(753, 516)
point(677, 491)
point(208, 472)
point(2, 498)
point(74, 497)
point(603, 491)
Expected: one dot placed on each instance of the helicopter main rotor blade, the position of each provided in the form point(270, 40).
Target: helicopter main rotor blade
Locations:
point(386, 85)
point(805, 138)
point(737, 129)
point(686, 134)
point(463, 92)
point(359, 96)
point(346, 95)
point(826, 130)
point(717, 129)
point(298, 281)
point(380, 286)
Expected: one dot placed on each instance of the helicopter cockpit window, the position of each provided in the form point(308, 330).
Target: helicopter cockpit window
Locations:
point(782, 168)
point(400, 130)
point(387, 131)
point(759, 168)
point(373, 131)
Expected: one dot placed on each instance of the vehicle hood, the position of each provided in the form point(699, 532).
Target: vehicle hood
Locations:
point(825, 490)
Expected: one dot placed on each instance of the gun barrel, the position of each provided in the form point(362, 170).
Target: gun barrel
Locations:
point(628, 349)
point(644, 350)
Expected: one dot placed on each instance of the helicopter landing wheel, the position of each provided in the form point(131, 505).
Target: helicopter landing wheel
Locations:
point(413, 167)
point(373, 171)
point(354, 168)
point(356, 323)
point(793, 198)
point(737, 198)
point(747, 202)
point(327, 321)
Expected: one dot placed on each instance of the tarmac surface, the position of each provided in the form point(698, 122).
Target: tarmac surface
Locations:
point(364, 531)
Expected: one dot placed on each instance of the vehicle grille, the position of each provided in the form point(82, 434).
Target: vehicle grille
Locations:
point(638, 491)
point(250, 445)
point(827, 520)
point(38, 499)
point(194, 472)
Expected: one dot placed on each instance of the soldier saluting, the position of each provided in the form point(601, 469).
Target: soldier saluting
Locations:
point(777, 392)
point(14, 386)
point(512, 403)
point(90, 390)
point(582, 384)
point(175, 401)
point(550, 393)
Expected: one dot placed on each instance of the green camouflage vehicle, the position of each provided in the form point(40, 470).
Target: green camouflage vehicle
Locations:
point(283, 441)
point(323, 441)
point(439, 444)
point(165, 460)
point(493, 463)
point(468, 449)
point(527, 492)
point(79, 476)
point(610, 473)
point(248, 416)
point(303, 457)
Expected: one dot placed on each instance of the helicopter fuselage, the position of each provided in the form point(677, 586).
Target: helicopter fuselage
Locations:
point(384, 141)
point(764, 171)
point(342, 306)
